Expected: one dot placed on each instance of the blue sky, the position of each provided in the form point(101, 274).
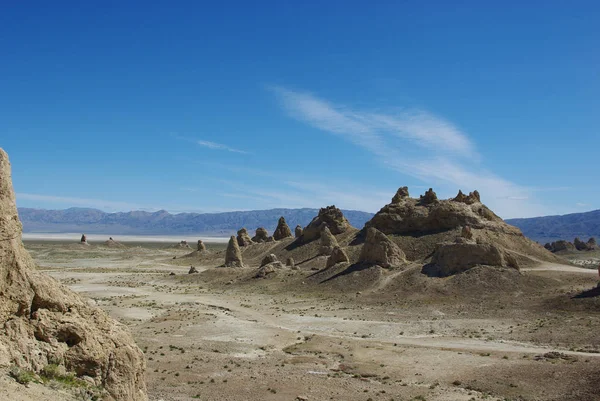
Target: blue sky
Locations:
point(198, 106)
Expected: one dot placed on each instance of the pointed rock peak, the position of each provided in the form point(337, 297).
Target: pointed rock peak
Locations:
point(262, 235)
point(428, 198)
point(330, 215)
point(298, 231)
point(338, 255)
point(473, 197)
point(201, 246)
point(243, 238)
point(83, 238)
point(402, 193)
point(379, 250)
point(282, 231)
point(233, 254)
point(327, 241)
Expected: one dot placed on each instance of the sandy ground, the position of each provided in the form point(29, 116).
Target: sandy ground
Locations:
point(222, 335)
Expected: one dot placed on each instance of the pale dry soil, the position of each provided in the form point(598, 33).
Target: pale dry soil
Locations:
point(222, 335)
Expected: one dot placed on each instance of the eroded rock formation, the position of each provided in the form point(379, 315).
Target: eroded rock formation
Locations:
point(332, 217)
point(298, 231)
point(400, 194)
point(407, 215)
point(473, 197)
point(201, 246)
point(243, 238)
point(269, 259)
point(262, 235)
point(282, 231)
point(379, 250)
point(193, 270)
point(453, 258)
point(327, 241)
point(233, 254)
point(338, 255)
point(44, 322)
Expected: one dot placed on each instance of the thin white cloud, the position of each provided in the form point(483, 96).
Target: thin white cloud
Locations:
point(219, 146)
point(580, 204)
point(447, 158)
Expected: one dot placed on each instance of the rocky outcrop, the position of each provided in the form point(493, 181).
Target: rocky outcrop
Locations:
point(473, 197)
point(83, 239)
point(379, 250)
point(282, 231)
point(243, 238)
point(269, 259)
point(270, 238)
point(44, 322)
point(429, 197)
point(201, 247)
point(182, 245)
point(290, 262)
point(298, 231)
point(580, 245)
point(560, 245)
point(427, 214)
point(332, 217)
point(233, 254)
point(453, 258)
point(401, 193)
point(327, 241)
point(338, 255)
point(193, 270)
point(592, 243)
point(262, 235)
point(111, 243)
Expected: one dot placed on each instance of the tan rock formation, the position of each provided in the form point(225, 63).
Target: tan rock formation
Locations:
point(83, 239)
point(338, 255)
point(262, 235)
point(379, 250)
point(44, 322)
point(327, 241)
point(201, 247)
point(473, 197)
point(290, 262)
point(400, 194)
point(409, 215)
point(193, 270)
point(233, 254)
point(282, 231)
point(243, 238)
point(333, 217)
point(452, 258)
point(269, 259)
point(298, 231)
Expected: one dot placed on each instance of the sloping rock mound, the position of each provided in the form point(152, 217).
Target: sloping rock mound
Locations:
point(560, 245)
point(182, 245)
point(338, 255)
point(233, 254)
point(111, 243)
point(282, 231)
point(44, 322)
point(327, 242)
point(407, 215)
point(298, 231)
point(269, 259)
point(262, 235)
point(332, 217)
point(193, 270)
point(379, 250)
point(453, 258)
point(201, 247)
point(243, 239)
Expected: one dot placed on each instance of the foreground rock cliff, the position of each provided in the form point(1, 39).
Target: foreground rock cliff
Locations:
point(44, 322)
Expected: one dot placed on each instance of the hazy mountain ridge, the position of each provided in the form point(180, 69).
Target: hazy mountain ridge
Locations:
point(568, 226)
point(162, 222)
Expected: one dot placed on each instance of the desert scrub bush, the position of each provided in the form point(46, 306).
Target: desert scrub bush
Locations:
point(22, 376)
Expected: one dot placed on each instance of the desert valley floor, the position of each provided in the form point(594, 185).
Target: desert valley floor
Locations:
point(303, 334)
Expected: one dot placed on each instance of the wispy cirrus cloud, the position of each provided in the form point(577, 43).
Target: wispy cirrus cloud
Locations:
point(446, 156)
point(219, 146)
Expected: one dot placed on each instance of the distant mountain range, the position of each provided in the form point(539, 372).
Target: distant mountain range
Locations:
point(94, 221)
point(568, 226)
